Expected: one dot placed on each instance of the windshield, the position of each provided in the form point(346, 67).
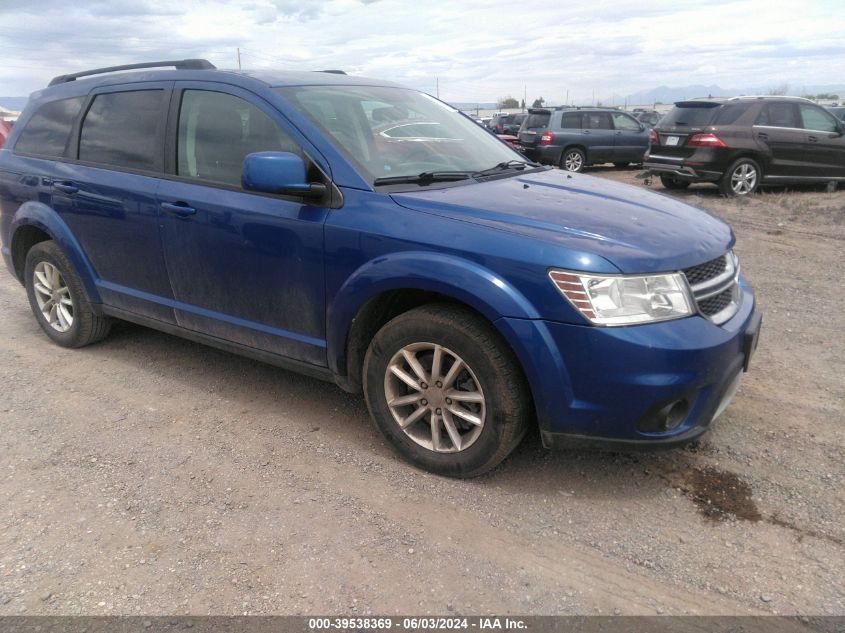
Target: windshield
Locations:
point(690, 114)
point(388, 131)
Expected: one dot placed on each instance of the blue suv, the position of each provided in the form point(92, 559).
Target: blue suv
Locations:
point(373, 236)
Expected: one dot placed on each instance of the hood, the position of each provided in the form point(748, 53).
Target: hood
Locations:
point(637, 230)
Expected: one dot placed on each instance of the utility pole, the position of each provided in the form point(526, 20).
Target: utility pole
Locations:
point(524, 97)
point(239, 57)
point(567, 97)
point(437, 86)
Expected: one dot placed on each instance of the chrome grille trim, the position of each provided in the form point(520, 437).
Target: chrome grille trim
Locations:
point(723, 282)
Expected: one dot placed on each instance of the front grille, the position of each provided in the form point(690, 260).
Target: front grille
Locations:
point(715, 287)
point(704, 272)
point(715, 304)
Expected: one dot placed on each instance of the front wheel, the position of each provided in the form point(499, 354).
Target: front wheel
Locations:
point(58, 300)
point(741, 179)
point(573, 159)
point(446, 390)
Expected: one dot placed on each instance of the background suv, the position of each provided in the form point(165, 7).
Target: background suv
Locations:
point(743, 142)
point(574, 138)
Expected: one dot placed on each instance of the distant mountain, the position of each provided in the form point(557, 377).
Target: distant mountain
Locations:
point(13, 103)
point(666, 94)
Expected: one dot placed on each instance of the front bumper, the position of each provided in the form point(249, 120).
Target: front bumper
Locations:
point(598, 383)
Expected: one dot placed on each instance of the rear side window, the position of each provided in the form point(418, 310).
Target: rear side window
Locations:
point(815, 118)
point(778, 115)
point(48, 131)
point(730, 113)
point(698, 115)
point(121, 129)
point(597, 121)
point(571, 121)
point(537, 121)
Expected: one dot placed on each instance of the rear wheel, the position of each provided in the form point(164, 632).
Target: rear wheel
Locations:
point(741, 179)
point(670, 182)
point(446, 391)
point(573, 159)
point(58, 300)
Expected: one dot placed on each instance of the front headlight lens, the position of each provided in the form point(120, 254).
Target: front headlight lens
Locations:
point(624, 299)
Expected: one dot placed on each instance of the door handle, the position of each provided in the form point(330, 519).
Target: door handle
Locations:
point(813, 139)
point(66, 187)
point(178, 208)
point(585, 131)
point(763, 136)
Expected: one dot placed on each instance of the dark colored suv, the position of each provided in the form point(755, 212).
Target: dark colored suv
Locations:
point(741, 143)
point(373, 236)
point(574, 138)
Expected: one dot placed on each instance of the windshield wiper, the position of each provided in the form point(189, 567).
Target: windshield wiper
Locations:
point(511, 164)
point(424, 177)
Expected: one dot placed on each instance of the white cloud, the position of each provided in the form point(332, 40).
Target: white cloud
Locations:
point(478, 49)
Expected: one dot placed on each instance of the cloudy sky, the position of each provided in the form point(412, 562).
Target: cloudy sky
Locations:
point(476, 50)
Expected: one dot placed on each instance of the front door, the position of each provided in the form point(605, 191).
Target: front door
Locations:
point(631, 139)
point(244, 267)
point(824, 150)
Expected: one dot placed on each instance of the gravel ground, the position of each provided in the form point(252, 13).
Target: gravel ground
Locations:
point(150, 475)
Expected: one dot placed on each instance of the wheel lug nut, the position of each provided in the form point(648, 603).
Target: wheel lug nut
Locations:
point(424, 402)
point(439, 384)
point(448, 401)
point(423, 385)
point(438, 411)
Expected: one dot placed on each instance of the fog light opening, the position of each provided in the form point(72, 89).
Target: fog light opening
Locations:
point(666, 417)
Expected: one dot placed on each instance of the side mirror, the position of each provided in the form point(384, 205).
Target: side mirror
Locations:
point(279, 172)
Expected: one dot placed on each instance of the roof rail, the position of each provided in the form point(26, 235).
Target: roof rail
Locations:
point(333, 72)
point(182, 64)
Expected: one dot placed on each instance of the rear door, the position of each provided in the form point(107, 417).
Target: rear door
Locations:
point(108, 196)
point(599, 136)
point(631, 139)
point(245, 267)
point(824, 149)
point(778, 132)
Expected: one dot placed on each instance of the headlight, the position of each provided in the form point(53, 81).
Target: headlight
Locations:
point(624, 299)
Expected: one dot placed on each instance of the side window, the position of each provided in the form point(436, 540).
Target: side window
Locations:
point(624, 122)
point(597, 121)
point(815, 118)
point(778, 115)
point(121, 129)
point(217, 131)
point(571, 121)
point(48, 131)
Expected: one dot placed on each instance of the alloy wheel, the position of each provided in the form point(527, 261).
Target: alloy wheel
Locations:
point(435, 397)
point(573, 161)
point(53, 296)
point(744, 179)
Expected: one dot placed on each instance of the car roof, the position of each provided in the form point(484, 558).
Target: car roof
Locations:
point(724, 100)
point(70, 85)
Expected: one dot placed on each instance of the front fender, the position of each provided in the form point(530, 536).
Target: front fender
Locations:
point(455, 277)
point(41, 216)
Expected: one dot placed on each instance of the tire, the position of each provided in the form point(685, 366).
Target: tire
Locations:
point(49, 276)
point(573, 159)
point(742, 178)
point(670, 182)
point(490, 372)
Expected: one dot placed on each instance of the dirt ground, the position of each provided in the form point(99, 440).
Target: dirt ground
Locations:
point(150, 475)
